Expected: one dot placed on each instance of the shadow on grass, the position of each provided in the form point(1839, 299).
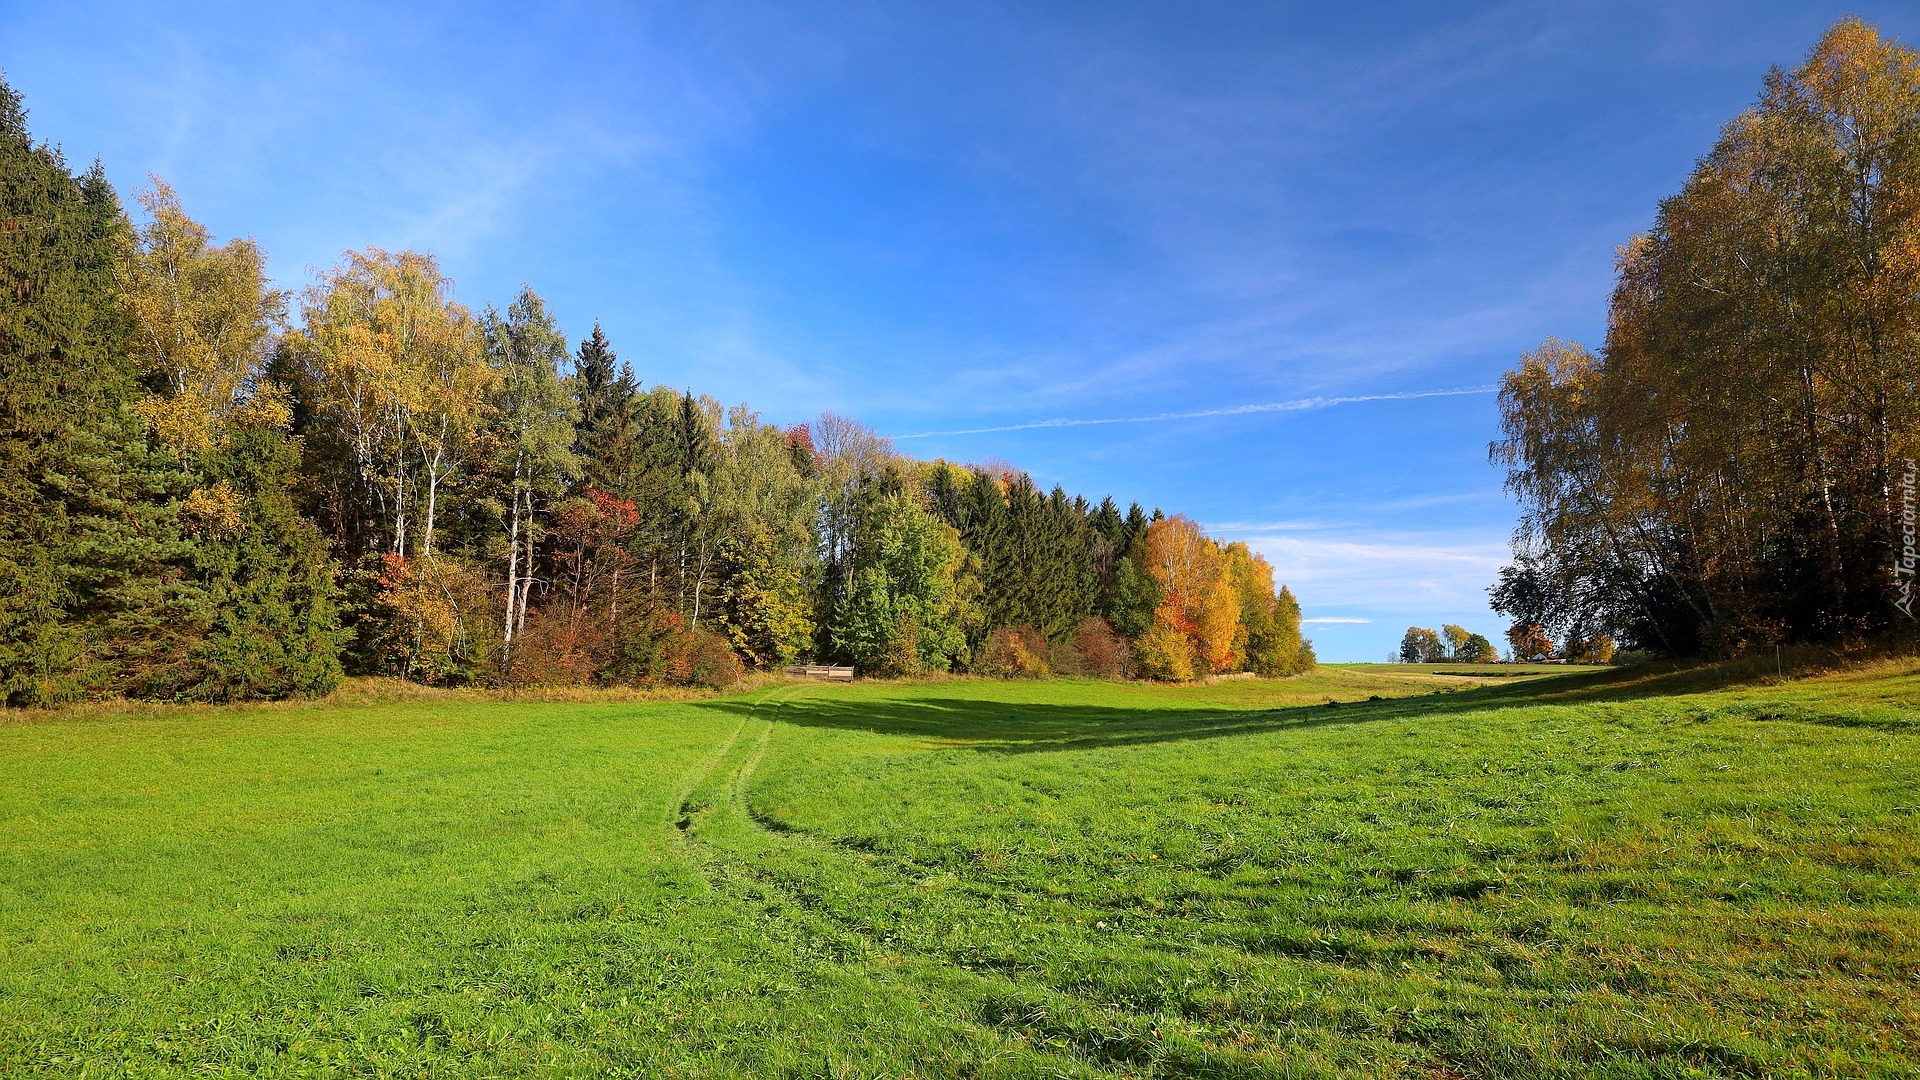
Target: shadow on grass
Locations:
point(1024, 727)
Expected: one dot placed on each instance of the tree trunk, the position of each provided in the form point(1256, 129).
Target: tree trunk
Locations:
point(513, 556)
point(433, 499)
point(399, 485)
point(526, 579)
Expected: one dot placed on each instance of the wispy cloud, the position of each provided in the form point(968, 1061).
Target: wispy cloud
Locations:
point(1296, 405)
point(1375, 572)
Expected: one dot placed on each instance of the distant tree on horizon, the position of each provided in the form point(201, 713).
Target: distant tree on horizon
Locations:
point(1421, 646)
point(1478, 650)
point(1529, 642)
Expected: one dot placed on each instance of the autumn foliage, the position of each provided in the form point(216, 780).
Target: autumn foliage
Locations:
point(1015, 652)
point(1217, 612)
point(1096, 650)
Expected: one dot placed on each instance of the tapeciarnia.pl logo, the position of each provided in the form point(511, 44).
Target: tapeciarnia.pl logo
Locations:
point(1905, 564)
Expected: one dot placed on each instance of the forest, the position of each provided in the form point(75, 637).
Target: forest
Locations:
point(1733, 469)
point(213, 490)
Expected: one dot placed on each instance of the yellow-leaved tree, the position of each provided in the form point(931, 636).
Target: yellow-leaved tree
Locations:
point(396, 371)
point(244, 607)
point(1725, 472)
point(1269, 641)
point(203, 318)
point(1198, 605)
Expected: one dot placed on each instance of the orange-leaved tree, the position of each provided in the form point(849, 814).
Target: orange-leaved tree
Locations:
point(1199, 602)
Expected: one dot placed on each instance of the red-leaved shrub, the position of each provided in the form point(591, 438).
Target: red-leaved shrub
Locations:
point(1095, 650)
point(553, 650)
point(655, 648)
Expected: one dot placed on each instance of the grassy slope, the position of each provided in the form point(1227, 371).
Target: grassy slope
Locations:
point(1634, 873)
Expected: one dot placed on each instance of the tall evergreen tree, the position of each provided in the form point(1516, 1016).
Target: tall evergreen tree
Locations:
point(604, 392)
point(643, 464)
point(1106, 522)
point(1105, 540)
point(946, 486)
point(267, 624)
point(1134, 528)
point(75, 481)
point(595, 367)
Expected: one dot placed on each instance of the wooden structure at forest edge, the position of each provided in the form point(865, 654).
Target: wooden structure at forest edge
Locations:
point(821, 671)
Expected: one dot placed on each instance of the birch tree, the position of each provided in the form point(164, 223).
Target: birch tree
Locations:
point(534, 414)
point(394, 371)
point(202, 319)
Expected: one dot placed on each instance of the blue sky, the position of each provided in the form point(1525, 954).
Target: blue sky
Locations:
point(949, 218)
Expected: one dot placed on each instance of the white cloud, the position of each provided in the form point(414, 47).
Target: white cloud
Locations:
point(1296, 405)
point(1345, 567)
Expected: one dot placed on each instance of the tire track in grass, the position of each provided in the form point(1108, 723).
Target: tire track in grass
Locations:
point(730, 869)
point(677, 806)
point(1046, 1018)
point(738, 792)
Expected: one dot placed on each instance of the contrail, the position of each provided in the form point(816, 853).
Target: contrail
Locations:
point(1296, 405)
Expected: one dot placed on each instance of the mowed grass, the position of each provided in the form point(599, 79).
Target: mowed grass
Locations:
point(1632, 873)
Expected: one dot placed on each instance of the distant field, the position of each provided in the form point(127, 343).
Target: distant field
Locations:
point(1492, 669)
point(1629, 873)
point(1481, 672)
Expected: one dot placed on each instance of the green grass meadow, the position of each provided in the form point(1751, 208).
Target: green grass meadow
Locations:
point(1370, 871)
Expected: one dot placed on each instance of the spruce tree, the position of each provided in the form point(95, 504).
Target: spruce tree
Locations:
point(1134, 528)
point(1107, 523)
point(1105, 545)
point(604, 393)
point(67, 423)
point(595, 368)
point(271, 627)
point(946, 487)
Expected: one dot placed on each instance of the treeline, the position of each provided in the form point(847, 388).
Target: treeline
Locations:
point(1732, 469)
point(214, 491)
point(1527, 642)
